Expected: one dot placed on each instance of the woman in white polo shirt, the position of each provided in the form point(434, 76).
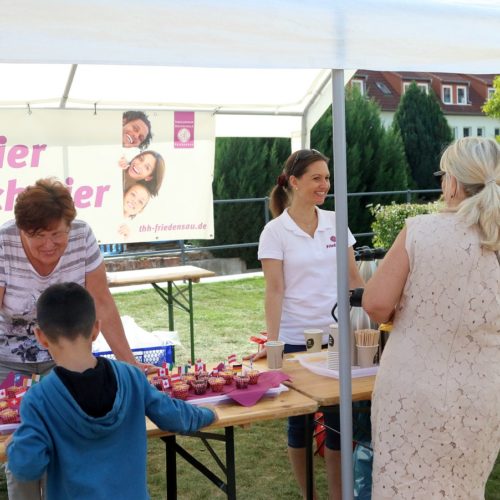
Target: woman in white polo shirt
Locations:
point(297, 250)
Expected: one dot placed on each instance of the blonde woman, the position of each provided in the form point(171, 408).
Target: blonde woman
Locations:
point(435, 411)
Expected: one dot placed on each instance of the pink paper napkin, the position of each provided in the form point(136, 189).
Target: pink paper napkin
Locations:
point(250, 396)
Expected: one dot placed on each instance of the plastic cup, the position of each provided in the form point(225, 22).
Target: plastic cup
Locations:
point(274, 349)
point(313, 338)
point(333, 338)
point(366, 355)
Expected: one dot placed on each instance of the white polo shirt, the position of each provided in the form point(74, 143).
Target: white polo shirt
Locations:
point(310, 272)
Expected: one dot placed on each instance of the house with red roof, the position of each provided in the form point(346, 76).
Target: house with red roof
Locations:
point(461, 97)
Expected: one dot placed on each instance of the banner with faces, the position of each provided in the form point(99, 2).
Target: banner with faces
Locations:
point(135, 176)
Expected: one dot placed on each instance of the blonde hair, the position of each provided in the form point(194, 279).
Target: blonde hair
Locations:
point(475, 164)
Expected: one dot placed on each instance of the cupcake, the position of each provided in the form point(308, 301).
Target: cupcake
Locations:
point(242, 381)
point(216, 383)
point(14, 390)
point(199, 386)
point(228, 376)
point(180, 391)
point(253, 375)
point(202, 375)
point(9, 416)
point(158, 383)
point(188, 379)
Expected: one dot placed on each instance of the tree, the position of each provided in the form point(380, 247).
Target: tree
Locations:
point(375, 156)
point(425, 133)
point(492, 105)
point(244, 168)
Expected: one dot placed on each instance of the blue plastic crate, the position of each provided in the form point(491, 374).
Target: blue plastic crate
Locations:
point(152, 355)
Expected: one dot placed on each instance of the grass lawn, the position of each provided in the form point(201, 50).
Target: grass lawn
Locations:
point(226, 315)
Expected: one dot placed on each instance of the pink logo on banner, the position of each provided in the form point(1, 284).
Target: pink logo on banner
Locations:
point(184, 129)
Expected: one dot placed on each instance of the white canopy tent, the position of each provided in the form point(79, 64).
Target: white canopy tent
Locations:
point(263, 60)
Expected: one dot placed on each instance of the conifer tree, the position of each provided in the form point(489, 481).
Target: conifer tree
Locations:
point(375, 156)
point(425, 133)
point(244, 168)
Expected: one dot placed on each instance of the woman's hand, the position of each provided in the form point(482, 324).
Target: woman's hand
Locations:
point(146, 368)
point(258, 355)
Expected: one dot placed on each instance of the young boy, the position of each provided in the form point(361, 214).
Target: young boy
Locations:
point(84, 422)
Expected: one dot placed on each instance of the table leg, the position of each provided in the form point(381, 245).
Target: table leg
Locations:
point(170, 304)
point(191, 319)
point(171, 463)
point(230, 464)
point(309, 456)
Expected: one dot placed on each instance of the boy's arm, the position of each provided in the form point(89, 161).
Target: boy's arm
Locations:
point(28, 449)
point(173, 414)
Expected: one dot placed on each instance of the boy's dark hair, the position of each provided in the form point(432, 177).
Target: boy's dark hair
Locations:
point(66, 310)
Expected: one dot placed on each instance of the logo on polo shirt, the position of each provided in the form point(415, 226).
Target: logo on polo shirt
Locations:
point(333, 243)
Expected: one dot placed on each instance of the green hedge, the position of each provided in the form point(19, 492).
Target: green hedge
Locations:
point(390, 219)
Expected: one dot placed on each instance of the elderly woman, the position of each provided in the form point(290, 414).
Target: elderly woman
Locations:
point(42, 246)
point(436, 411)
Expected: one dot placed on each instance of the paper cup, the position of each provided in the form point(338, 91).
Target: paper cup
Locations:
point(333, 338)
point(366, 355)
point(313, 338)
point(274, 349)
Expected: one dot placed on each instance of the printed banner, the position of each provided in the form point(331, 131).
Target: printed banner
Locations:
point(134, 176)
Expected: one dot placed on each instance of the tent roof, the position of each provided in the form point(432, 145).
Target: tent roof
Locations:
point(383, 34)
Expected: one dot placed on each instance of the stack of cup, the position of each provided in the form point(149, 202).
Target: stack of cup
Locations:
point(332, 360)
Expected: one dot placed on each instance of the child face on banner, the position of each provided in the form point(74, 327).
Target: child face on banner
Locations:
point(142, 167)
point(134, 133)
point(135, 200)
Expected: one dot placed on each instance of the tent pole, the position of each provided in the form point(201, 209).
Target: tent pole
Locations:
point(340, 189)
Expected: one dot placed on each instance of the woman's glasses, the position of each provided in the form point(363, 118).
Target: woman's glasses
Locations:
point(439, 175)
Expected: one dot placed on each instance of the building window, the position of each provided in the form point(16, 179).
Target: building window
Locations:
point(454, 131)
point(358, 84)
point(491, 92)
point(461, 94)
point(467, 131)
point(383, 88)
point(422, 86)
point(497, 131)
point(480, 131)
point(447, 95)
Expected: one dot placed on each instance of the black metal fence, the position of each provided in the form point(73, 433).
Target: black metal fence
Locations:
point(180, 246)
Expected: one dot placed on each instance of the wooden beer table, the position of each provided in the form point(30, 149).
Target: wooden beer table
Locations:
point(285, 404)
point(324, 390)
point(173, 295)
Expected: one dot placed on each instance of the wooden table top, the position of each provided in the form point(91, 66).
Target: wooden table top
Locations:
point(285, 404)
point(157, 275)
point(324, 390)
